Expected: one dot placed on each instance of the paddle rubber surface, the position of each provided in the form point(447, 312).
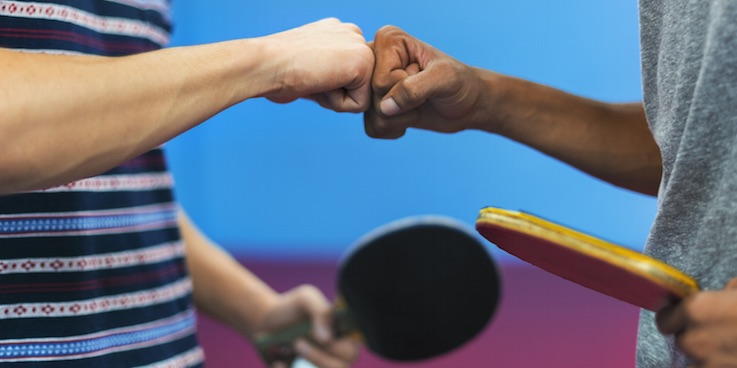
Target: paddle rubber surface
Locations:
point(419, 287)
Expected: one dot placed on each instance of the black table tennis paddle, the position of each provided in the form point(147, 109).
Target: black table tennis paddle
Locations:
point(410, 290)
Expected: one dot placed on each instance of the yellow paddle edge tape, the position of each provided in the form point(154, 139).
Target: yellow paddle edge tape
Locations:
point(635, 262)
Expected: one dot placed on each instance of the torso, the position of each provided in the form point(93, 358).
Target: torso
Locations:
point(93, 272)
point(689, 53)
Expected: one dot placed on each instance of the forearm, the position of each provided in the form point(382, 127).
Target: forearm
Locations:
point(222, 287)
point(609, 141)
point(66, 117)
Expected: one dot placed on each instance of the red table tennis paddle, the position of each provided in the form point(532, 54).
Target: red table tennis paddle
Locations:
point(616, 271)
point(411, 290)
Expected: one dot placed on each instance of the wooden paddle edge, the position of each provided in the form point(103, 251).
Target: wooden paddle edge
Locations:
point(647, 267)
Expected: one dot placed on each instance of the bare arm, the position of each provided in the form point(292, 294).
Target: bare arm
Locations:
point(67, 117)
point(610, 141)
point(233, 295)
point(416, 85)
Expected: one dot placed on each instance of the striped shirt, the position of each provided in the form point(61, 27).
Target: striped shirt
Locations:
point(92, 273)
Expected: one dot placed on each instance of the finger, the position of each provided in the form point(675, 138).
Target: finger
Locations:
point(355, 95)
point(412, 69)
point(354, 27)
point(672, 319)
point(336, 100)
point(377, 126)
point(344, 100)
point(319, 310)
point(319, 357)
point(409, 93)
point(346, 349)
point(360, 97)
point(392, 56)
point(698, 344)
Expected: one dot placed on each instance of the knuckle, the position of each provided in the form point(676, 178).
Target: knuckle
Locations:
point(386, 29)
point(410, 91)
point(448, 69)
point(353, 27)
point(381, 83)
point(308, 290)
point(390, 33)
point(358, 70)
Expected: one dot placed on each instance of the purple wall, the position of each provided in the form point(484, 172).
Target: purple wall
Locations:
point(543, 321)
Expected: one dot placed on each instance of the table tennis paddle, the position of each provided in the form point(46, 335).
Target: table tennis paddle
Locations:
point(611, 269)
point(411, 290)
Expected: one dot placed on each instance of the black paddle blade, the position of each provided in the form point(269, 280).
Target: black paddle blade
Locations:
point(419, 287)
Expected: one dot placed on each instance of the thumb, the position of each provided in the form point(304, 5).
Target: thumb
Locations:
point(408, 94)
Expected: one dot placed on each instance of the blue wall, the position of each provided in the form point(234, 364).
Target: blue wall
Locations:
point(295, 180)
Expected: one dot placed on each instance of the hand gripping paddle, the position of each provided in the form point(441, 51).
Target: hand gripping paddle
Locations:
point(613, 270)
point(411, 290)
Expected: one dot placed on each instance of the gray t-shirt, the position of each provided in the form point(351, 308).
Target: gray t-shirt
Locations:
point(689, 66)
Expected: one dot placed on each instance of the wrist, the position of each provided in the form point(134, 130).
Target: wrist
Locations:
point(505, 102)
point(488, 112)
point(249, 69)
point(255, 303)
point(266, 65)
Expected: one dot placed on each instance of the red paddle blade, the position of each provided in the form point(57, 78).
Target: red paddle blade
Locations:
point(591, 262)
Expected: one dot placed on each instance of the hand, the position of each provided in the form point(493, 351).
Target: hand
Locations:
point(323, 349)
point(327, 61)
point(705, 326)
point(416, 85)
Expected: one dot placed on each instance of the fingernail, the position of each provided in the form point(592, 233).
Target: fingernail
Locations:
point(389, 107)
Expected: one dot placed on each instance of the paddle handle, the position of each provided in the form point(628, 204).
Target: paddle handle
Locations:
point(278, 346)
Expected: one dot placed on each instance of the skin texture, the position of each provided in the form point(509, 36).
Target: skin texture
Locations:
point(705, 326)
point(69, 117)
point(418, 86)
point(250, 306)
